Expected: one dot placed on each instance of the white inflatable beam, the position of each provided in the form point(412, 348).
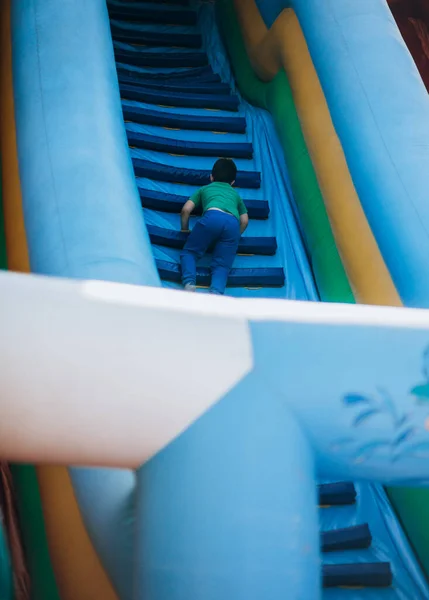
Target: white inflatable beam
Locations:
point(102, 374)
point(96, 373)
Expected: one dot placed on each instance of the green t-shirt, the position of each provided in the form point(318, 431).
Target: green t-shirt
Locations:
point(219, 195)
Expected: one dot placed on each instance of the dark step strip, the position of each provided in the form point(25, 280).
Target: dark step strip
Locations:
point(357, 575)
point(194, 75)
point(349, 538)
point(172, 203)
point(158, 172)
point(240, 277)
point(179, 2)
point(337, 494)
point(170, 238)
point(188, 87)
point(179, 100)
point(153, 38)
point(159, 15)
point(188, 148)
point(166, 60)
point(177, 121)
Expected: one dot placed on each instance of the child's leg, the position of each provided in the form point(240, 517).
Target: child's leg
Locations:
point(200, 238)
point(224, 254)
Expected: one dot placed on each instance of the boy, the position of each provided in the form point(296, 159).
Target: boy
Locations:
point(224, 220)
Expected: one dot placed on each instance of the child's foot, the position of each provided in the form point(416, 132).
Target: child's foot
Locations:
point(190, 287)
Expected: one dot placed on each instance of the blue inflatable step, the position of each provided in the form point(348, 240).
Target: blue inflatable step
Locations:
point(156, 38)
point(171, 238)
point(152, 14)
point(349, 538)
point(175, 121)
point(357, 575)
point(172, 203)
point(194, 88)
point(178, 2)
point(194, 74)
point(161, 60)
point(337, 494)
point(184, 147)
point(179, 99)
point(269, 277)
point(158, 172)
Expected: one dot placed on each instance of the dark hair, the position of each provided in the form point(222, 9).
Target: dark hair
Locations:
point(224, 170)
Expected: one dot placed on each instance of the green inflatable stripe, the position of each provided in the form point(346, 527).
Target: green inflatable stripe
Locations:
point(276, 97)
point(6, 576)
point(43, 584)
point(412, 507)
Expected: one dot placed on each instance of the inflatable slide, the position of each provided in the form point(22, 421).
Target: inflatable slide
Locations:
point(270, 444)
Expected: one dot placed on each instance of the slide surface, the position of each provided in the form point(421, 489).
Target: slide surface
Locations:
point(174, 88)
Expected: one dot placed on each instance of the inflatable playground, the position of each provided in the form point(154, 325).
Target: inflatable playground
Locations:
point(160, 445)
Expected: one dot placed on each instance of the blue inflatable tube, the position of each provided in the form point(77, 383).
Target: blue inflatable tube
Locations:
point(231, 530)
point(384, 128)
point(82, 209)
point(380, 109)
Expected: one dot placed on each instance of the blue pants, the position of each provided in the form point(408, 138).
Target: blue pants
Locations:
point(214, 228)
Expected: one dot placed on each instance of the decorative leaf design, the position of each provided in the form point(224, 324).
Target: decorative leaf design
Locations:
point(340, 443)
point(421, 391)
point(355, 399)
point(401, 422)
point(364, 416)
point(367, 450)
point(389, 404)
point(418, 450)
point(404, 436)
point(426, 363)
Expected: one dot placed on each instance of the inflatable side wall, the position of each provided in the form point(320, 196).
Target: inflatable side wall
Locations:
point(382, 133)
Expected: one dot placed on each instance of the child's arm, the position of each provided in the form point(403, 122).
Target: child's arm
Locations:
point(244, 217)
point(187, 209)
point(244, 222)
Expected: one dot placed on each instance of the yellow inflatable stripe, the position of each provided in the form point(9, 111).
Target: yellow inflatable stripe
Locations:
point(284, 45)
point(16, 241)
point(78, 571)
point(77, 567)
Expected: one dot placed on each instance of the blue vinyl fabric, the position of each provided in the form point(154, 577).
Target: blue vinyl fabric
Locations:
point(143, 115)
point(175, 173)
point(380, 110)
point(185, 99)
point(84, 219)
point(190, 148)
point(389, 544)
point(215, 510)
point(172, 203)
point(267, 159)
point(151, 12)
point(386, 141)
point(150, 59)
point(82, 210)
point(385, 129)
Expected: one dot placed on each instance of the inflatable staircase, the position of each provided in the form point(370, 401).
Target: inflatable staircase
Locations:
point(343, 571)
point(180, 116)
point(177, 92)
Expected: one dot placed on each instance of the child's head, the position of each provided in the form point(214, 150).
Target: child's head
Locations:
point(224, 171)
